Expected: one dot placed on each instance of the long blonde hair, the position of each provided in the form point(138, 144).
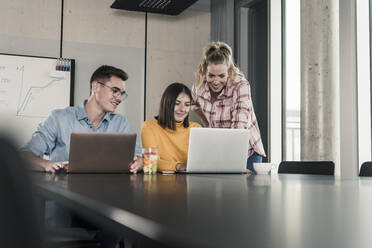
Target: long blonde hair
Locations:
point(217, 52)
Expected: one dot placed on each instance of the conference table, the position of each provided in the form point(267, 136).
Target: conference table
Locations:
point(219, 210)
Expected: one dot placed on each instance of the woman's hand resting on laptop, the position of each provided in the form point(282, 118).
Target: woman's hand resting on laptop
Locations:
point(181, 167)
point(135, 165)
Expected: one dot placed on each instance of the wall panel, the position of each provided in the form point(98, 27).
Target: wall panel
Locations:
point(175, 45)
point(30, 27)
point(95, 34)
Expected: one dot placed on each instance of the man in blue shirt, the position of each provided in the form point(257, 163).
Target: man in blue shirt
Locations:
point(52, 138)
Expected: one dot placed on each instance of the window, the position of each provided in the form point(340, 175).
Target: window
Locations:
point(364, 81)
point(292, 81)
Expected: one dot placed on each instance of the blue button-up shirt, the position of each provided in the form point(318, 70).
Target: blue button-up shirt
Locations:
point(52, 137)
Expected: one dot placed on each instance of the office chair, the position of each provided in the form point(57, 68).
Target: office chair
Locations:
point(19, 223)
point(307, 167)
point(366, 169)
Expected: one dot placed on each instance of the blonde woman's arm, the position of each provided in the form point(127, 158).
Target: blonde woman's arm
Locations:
point(196, 107)
point(242, 107)
point(202, 117)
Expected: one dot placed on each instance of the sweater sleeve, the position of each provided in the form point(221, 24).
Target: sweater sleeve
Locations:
point(166, 165)
point(149, 140)
point(148, 136)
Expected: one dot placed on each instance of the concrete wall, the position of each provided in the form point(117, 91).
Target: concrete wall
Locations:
point(30, 27)
point(95, 34)
point(175, 47)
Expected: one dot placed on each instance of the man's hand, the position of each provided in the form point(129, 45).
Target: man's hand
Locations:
point(135, 165)
point(39, 164)
point(52, 167)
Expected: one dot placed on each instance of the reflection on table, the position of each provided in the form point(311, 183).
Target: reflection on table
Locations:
point(221, 210)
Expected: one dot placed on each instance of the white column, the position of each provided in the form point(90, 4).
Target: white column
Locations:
point(320, 135)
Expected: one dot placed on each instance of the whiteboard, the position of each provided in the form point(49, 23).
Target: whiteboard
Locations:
point(30, 88)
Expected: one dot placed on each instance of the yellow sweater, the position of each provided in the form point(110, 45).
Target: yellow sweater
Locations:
point(173, 144)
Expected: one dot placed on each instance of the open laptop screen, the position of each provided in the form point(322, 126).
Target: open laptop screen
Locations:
point(217, 150)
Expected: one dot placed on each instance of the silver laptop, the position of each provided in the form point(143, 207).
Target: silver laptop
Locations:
point(217, 150)
point(101, 152)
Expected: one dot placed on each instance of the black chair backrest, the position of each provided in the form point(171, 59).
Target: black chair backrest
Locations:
point(307, 167)
point(366, 169)
point(19, 225)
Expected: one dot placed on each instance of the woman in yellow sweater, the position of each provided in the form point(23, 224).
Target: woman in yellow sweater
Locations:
point(170, 130)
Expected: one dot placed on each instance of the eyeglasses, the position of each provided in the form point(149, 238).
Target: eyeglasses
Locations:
point(116, 91)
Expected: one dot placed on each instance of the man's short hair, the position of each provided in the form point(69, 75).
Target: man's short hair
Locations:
point(104, 72)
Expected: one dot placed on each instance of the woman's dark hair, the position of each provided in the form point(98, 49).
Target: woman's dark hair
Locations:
point(167, 103)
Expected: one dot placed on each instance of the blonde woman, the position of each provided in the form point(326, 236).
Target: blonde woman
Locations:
point(222, 97)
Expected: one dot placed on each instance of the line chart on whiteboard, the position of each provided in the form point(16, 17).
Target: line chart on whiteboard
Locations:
point(31, 88)
point(32, 103)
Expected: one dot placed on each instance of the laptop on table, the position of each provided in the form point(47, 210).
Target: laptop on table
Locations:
point(101, 152)
point(217, 150)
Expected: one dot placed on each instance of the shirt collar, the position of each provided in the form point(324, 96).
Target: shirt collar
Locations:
point(204, 90)
point(82, 114)
point(225, 92)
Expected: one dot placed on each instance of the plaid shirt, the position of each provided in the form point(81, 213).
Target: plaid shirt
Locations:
point(233, 108)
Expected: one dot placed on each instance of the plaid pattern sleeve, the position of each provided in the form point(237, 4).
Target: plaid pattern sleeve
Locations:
point(243, 116)
point(241, 107)
point(194, 102)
